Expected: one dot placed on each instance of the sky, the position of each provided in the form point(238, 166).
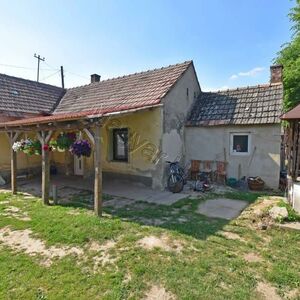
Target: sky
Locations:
point(232, 42)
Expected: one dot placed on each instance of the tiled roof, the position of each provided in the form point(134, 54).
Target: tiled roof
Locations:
point(131, 91)
point(260, 104)
point(25, 96)
point(62, 117)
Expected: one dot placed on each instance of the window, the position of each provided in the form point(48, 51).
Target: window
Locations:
point(240, 143)
point(120, 144)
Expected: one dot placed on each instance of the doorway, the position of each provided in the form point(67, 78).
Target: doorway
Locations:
point(78, 165)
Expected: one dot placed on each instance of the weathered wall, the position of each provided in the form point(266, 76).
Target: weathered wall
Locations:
point(177, 104)
point(208, 143)
point(24, 162)
point(145, 130)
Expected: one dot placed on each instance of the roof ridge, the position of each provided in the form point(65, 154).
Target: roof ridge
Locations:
point(29, 80)
point(246, 87)
point(187, 62)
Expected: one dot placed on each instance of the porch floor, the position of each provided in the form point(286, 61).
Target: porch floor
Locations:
point(71, 185)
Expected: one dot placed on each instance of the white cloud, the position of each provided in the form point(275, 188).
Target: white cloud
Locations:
point(251, 73)
point(234, 76)
point(215, 89)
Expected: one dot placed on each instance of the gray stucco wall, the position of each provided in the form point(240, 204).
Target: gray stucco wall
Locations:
point(176, 105)
point(208, 143)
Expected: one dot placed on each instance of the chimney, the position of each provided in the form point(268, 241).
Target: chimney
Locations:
point(95, 78)
point(276, 73)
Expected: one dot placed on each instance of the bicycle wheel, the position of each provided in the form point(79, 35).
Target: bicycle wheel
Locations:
point(175, 183)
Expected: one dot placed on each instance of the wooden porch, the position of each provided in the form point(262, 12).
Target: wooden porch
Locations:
point(44, 129)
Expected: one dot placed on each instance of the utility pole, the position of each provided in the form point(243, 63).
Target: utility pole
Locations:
point(62, 77)
point(38, 68)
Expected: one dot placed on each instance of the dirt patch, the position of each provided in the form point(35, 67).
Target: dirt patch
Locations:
point(73, 212)
point(4, 202)
point(159, 293)
point(152, 222)
point(257, 215)
point(21, 240)
point(164, 242)
point(103, 256)
point(15, 212)
point(267, 291)
point(292, 294)
point(231, 236)
point(252, 257)
point(127, 278)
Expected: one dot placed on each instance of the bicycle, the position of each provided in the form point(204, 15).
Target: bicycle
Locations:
point(177, 177)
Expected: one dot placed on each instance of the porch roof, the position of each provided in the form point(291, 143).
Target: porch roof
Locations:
point(65, 117)
point(292, 114)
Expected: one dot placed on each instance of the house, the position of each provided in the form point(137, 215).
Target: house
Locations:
point(138, 122)
point(240, 126)
point(142, 122)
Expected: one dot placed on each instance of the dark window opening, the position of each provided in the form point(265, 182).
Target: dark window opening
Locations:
point(240, 143)
point(120, 144)
point(187, 92)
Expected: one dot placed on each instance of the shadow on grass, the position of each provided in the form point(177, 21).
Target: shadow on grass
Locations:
point(181, 217)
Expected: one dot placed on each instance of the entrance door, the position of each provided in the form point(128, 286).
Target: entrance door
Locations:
point(78, 161)
point(78, 165)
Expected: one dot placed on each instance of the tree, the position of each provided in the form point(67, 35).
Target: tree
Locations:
point(289, 57)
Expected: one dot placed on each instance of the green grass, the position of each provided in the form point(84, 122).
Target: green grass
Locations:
point(209, 266)
point(292, 214)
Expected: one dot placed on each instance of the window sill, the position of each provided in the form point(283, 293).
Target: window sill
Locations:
point(118, 161)
point(240, 153)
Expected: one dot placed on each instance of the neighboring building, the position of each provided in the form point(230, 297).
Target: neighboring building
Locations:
point(241, 126)
point(149, 118)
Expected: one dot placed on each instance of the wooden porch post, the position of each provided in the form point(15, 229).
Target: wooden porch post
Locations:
point(98, 172)
point(13, 161)
point(45, 166)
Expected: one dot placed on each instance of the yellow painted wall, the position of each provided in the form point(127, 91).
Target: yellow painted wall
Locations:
point(24, 161)
point(145, 131)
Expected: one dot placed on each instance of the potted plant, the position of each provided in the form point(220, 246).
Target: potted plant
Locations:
point(37, 147)
point(28, 147)
point(81, 148)
point(65, 140)
point(18, 146)
point(53, 145)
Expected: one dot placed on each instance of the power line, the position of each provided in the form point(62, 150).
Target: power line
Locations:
point(21, 67)
point(85, 77)
point(53, 68)
point(51, 75)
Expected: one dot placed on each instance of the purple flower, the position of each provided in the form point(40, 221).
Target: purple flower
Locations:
point(81, 148)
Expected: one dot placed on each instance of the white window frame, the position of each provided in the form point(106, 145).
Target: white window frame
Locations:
point(232, 134)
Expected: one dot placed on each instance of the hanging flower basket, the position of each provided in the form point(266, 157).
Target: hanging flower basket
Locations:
point(18, 146)
point(81, 148)
point(32, 147)
point(53, 145)
point(28, 147)
point(37, 147)
point(65, 140)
